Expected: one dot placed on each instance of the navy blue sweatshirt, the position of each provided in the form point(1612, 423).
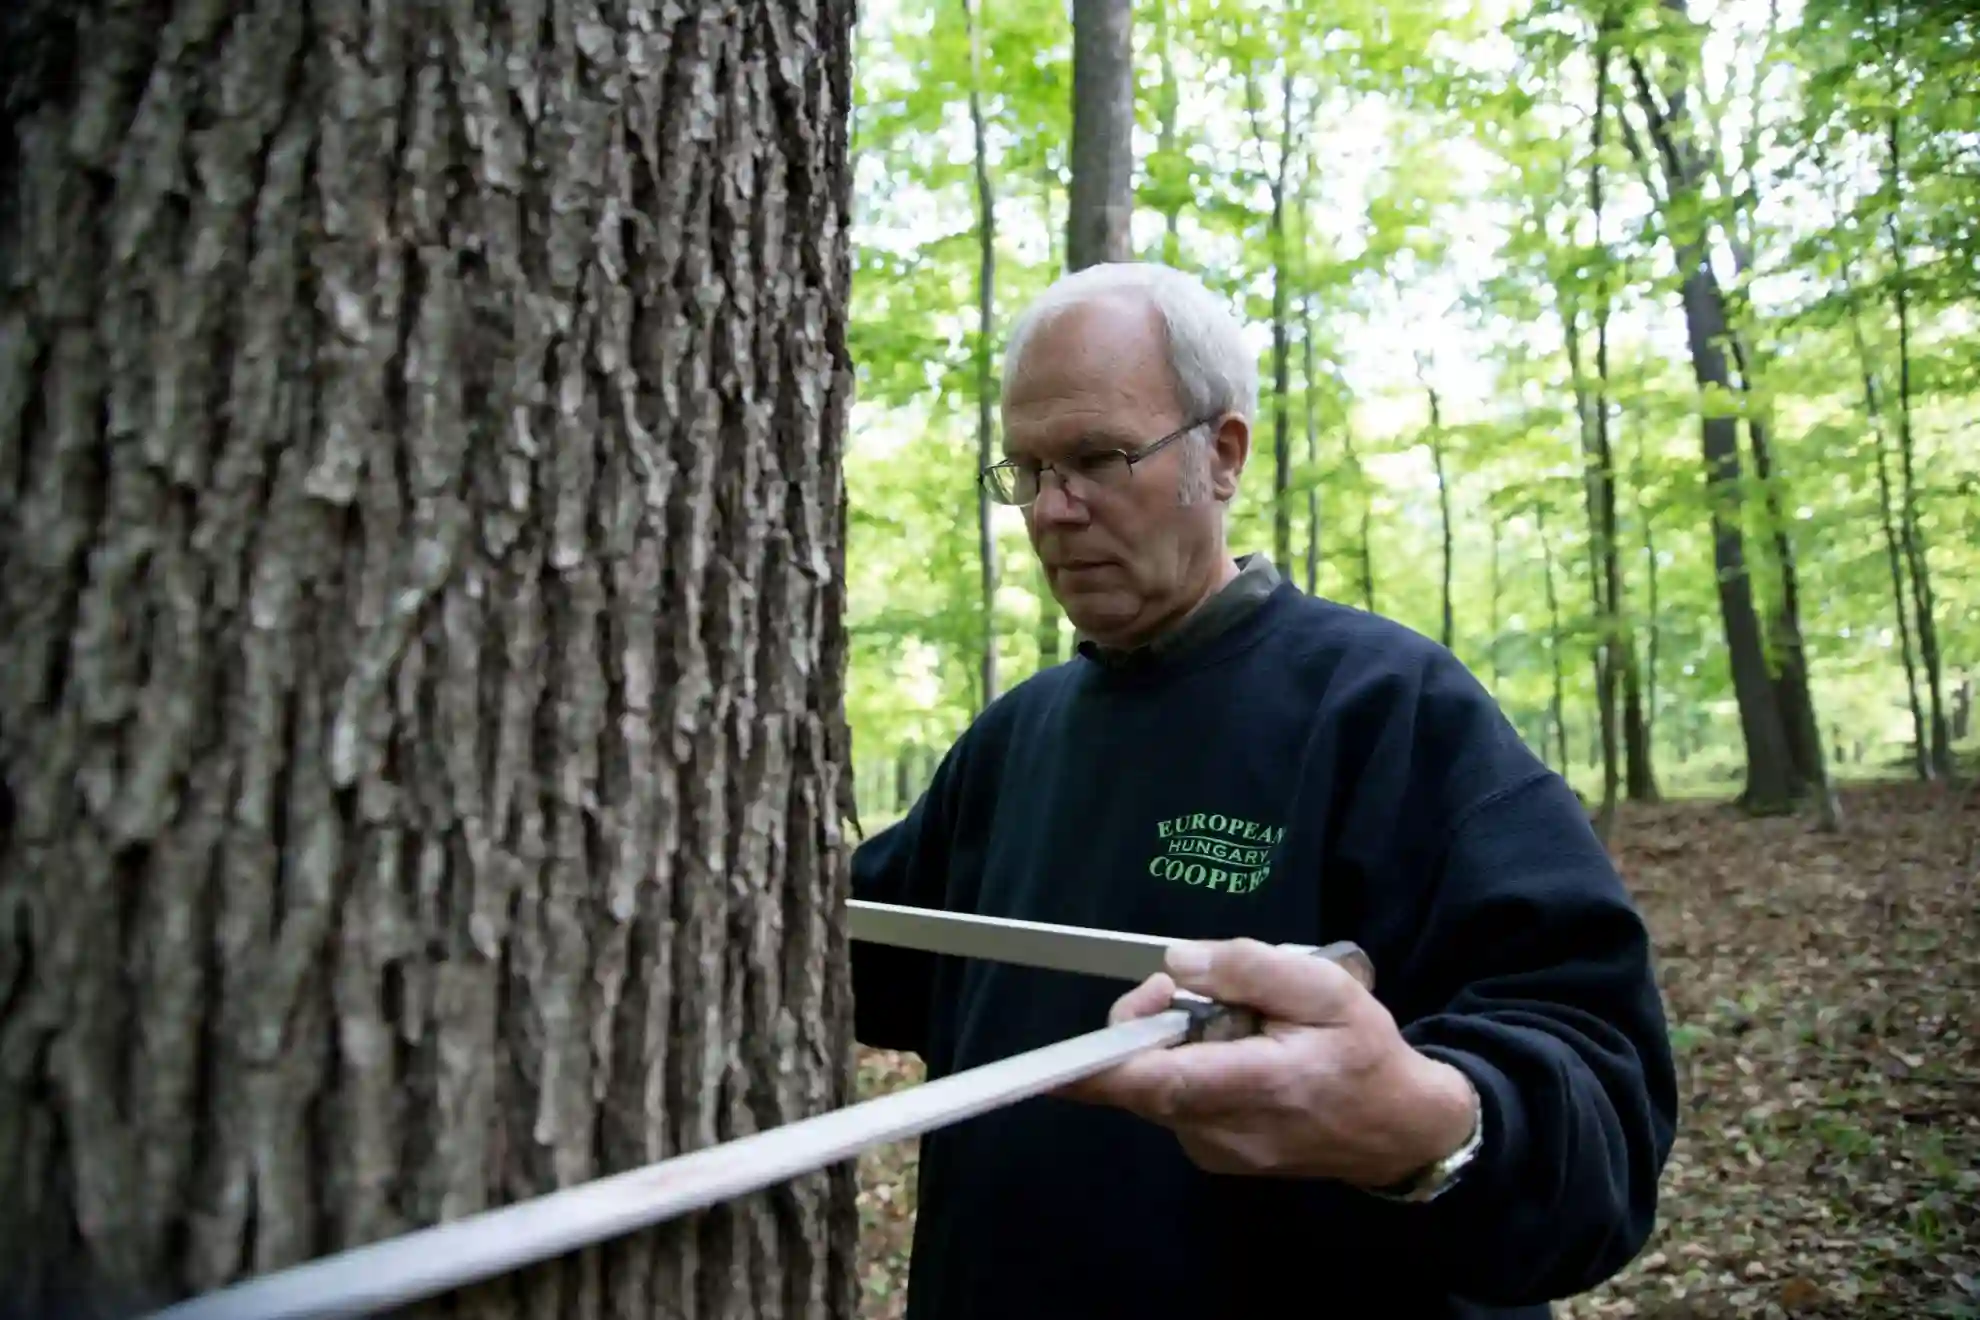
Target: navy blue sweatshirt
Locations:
point(1309, 773)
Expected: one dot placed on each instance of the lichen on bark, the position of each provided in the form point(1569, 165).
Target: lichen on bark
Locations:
point(420, 717)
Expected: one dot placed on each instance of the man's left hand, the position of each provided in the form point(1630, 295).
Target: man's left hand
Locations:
point(1328, 1089)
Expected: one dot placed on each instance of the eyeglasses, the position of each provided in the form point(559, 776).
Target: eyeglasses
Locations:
point(1018, 480)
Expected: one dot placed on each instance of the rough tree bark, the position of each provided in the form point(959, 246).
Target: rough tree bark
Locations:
point(420, 666)
point(1098, 221)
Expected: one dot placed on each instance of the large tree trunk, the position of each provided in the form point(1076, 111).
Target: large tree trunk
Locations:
point(1791, 683)
point(1791, 687)
point(420, 685)
point(1098, 222)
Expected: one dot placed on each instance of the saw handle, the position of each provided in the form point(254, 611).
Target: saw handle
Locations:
point(1211, 1021)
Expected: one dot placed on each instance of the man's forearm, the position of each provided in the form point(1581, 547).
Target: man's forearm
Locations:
point(1563, 1191)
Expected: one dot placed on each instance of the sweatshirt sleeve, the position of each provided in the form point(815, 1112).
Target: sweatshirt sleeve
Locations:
point(903, 865)
point(1534, 977)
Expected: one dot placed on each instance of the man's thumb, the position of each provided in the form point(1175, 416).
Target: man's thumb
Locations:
point(1289, 983)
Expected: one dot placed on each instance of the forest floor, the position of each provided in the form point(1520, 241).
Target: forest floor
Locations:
point(1824, 995)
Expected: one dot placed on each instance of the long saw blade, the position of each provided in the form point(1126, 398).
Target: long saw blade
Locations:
point(1110, 953)
point(1120, 955)
point(397, 1271)
point(424, 1263)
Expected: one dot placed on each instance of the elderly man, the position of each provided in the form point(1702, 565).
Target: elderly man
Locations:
point(1234, 764)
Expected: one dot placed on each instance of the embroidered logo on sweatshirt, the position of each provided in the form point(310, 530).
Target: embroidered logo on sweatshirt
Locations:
point(1207, 850)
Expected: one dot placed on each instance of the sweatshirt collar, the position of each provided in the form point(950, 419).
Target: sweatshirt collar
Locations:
point(1256, 579)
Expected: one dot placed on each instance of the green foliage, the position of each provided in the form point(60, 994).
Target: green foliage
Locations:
point(1440, 235)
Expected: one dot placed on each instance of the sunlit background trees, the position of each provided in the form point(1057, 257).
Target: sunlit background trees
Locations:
point(1630, 351)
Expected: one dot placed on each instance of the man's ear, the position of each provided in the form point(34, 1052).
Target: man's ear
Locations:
point(1230, 447)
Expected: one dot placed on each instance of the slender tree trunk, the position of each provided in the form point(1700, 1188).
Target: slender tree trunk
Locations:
point(1913, 537)
point(1601, 543)
point(986, 380)
point(1312, 447)
point(1448, 636)
point(1650, 646)
point(420, 666)
point(1281, 348)
point(1639, 759)
point(1921, 746)
point(1557, 708)
point(1364, 535)
point(1639, 767)
point(1165, 142)
point(1050, 617)
point(1492, 648)
point(1099, 219)
point(1367, 558)
point(1770, 779)
point(1654, 628)
point(1615, 645)
point(1281, 313)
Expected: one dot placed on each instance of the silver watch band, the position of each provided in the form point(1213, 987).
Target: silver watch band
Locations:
point(1438, 1177)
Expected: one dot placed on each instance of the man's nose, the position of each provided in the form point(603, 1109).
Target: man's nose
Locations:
point(1055, 508)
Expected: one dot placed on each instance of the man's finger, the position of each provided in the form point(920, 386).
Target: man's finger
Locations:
point(1285, 984)
point(1123, 1081)
point(1141, 1085)
point(1145, 1000)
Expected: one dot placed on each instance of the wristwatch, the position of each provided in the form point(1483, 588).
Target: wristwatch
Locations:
point(1434, 1179)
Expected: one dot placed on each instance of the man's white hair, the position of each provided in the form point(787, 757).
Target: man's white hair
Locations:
point(1215, 373)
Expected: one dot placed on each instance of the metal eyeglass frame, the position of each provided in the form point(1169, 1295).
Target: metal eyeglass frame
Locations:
point(987, 477)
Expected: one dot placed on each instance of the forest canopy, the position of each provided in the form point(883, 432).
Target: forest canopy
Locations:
point(1629, 350)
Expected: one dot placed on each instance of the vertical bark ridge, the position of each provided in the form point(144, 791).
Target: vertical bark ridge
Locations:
point(419, 432)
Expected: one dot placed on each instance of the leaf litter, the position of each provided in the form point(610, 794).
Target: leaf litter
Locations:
point(1824, 1001)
